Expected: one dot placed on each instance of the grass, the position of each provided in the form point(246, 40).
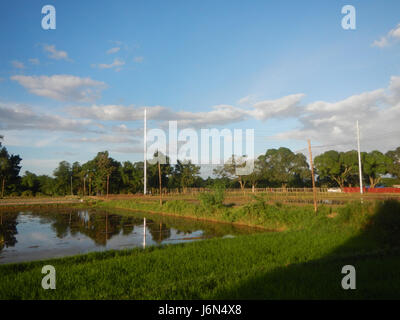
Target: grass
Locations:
point(258, 213)
point(303, 262)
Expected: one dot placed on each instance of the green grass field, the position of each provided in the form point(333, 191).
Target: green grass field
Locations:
point(302, 262)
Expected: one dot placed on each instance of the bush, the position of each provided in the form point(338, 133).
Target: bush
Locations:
point(214, 199)
point(27, 193)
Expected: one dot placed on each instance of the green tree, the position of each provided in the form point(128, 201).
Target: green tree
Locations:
point(394, 167)
point(30, 181)
point(88, 172)
point(231, 170)
point(77, 178)
point(185, 173)
point(106, 173)
point(47, 185)
point(255, 176)
point(63, 178)
point(9, 170)
point(131, 177)
point(339, 167)
point(152, 170)
point(375, 164)
point(282, 167)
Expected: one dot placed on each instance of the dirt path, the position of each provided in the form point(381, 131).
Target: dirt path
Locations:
point(9, 202)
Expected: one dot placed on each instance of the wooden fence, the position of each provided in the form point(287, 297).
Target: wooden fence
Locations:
point(238, 191)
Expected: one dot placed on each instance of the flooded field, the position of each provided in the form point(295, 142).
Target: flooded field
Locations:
point(36, 234)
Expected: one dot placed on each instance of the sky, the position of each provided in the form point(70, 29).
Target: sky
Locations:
point(287, 69)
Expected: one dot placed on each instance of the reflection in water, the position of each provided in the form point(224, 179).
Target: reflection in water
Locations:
point(40, 234)
point(8, 231)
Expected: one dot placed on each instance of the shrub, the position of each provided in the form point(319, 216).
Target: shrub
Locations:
point(27, 193)
point(214, 199)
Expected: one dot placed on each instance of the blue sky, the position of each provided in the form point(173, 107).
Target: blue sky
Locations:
point(285, 68)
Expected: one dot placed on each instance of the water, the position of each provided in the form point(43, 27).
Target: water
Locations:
point(51, 233)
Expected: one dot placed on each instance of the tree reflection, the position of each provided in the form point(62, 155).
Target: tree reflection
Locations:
point(158, 231)
point(101, 226)
point(8, 230)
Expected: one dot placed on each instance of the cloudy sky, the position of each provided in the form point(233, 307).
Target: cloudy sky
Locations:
point(285, 68)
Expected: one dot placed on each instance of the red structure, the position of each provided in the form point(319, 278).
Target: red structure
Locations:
point(371, 190)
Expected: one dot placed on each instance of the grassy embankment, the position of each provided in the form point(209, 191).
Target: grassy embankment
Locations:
point(303, 261)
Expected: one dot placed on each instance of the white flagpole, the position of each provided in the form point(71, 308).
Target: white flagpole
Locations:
point(145, 154)
point(359, 159)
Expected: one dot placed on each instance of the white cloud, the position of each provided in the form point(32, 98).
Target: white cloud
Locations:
point(56, 54)
point(382, 42)
point(116, 42)
point(218, 115)
point(138, 59)
point(19, 138)
point(114, 139)
point(117, 64)
point(62, 87)
point(391, 36)
point(123, 129)
point(280, 108)
point(15, 116)
point(247, 99)
point(17, 64)
point(113, 50)
point(221, 114)
point(333, 123)
point(34, 61)
point(135, 149)
point(118, 112)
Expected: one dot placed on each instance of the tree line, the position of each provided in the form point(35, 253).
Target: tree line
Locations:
point(276, 168)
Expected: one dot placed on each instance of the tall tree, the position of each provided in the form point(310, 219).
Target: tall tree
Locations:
point(255, 176)
point(375, 164)
point(9, 170)
point(336, 166)
point(31, 182)
point(152, 170)
point(47, 185)
point(77, 178)
point(229, 170)
point(63, 178)
point(282, 167)
point(186, 173)
point(104, 169)
point(394, 166)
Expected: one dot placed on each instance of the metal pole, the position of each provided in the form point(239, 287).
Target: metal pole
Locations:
point(312, 177)
point(145, 154)
point(159, 177)
point(359, 159)
point(108, 181)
